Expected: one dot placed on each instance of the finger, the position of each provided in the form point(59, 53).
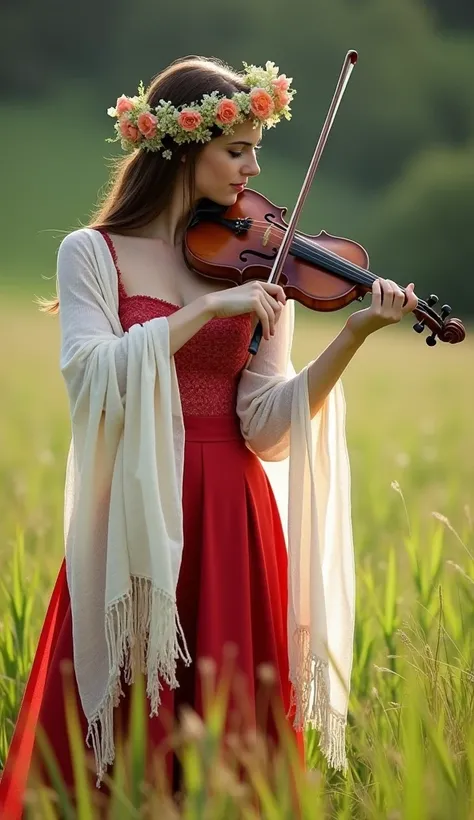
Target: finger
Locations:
point(275, 290)
point(408, 290)
point(270, 311)
point(377, 295)
point(412, 299)
point(262, 314)
point(389, 292)
point(398, 298)
point(272, 301)
point(274, 310)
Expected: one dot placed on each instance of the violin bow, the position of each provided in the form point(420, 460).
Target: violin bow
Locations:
point(346, 71)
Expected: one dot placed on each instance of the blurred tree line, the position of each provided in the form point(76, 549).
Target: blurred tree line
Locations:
point(403, 142)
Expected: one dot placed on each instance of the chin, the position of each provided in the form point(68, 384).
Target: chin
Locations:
point(227, 199)
point(232, 197)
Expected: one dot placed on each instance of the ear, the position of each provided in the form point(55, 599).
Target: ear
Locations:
point(183, 158)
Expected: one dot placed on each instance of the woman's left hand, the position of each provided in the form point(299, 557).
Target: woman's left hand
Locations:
point(387, 308)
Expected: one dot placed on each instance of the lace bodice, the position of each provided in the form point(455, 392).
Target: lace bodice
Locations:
point(208, 366)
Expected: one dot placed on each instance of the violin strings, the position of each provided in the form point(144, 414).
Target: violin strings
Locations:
point(339, 266)
point(363, 277)
point(354, 272)
point(343, 266)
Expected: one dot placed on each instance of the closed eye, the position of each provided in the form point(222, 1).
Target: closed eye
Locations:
point(239, 153)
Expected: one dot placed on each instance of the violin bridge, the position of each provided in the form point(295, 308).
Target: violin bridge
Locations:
point(266, 236)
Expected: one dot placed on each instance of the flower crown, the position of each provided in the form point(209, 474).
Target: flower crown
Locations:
point(140, 126)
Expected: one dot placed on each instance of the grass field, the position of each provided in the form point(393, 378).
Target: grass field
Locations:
point(411, 441)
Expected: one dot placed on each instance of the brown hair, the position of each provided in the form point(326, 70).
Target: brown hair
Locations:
point(141, 183)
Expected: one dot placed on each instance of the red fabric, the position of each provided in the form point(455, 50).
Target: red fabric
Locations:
point(208, 366)
point(232, 586)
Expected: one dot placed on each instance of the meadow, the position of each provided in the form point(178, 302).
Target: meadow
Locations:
point(411, 442)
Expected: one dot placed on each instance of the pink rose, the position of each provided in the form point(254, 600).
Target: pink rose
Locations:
point(261, 104)
point(282, 98)
point(227, 111)
point(281, 83)
point(129, 131)
point(189, 120)
point(147, 124)
point(124, 104)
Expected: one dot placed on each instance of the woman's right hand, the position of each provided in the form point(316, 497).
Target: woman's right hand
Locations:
point(262, 298)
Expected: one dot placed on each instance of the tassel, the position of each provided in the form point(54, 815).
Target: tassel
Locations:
point(310, 700)
point(143, 633)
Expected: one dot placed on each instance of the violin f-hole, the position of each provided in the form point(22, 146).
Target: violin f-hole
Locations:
point(269, 256)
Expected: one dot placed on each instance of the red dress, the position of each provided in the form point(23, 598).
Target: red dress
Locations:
point(232, 586)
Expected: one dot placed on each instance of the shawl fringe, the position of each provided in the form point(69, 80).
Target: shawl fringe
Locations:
point(311, 704)
point(132, 648)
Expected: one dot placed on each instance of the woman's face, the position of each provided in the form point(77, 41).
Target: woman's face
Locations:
point(227, 162)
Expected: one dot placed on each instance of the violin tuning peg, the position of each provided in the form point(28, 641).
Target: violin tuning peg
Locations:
point(419, 327)
point(431, 340)
point(445, 311)
point(431, 301)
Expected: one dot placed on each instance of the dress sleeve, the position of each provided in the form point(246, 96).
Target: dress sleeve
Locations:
point(266, 390)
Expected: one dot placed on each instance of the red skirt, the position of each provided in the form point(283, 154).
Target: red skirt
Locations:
point(232, 591)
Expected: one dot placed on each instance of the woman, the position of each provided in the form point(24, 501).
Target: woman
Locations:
point(171, 510)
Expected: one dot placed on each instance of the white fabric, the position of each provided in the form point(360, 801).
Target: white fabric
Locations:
point(123, 512)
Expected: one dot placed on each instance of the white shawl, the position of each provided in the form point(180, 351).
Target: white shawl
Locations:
point(123, 513)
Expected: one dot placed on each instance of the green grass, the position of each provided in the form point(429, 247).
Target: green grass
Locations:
point(411, 734)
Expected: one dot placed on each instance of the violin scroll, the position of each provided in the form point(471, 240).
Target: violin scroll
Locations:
point(446, 330)
point(453, 331)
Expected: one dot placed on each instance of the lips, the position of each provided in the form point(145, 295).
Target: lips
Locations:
point(239, 186)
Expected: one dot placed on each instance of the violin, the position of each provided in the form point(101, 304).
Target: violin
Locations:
point(323, 272)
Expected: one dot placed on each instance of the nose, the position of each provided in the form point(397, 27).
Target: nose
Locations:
point(251, 168)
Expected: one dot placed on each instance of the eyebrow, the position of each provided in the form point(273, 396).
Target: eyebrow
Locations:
point(242, 142)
